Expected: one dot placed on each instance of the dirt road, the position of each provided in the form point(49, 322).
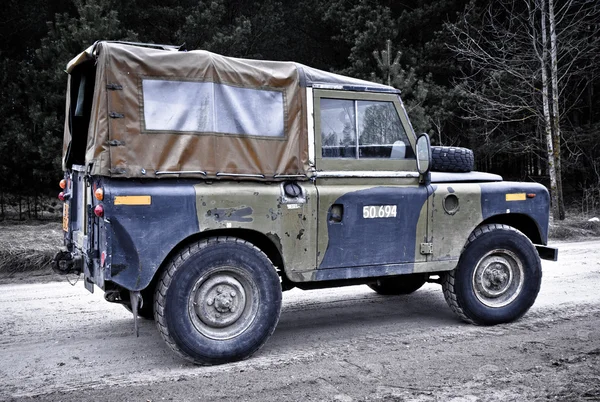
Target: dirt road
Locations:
point(59, 342)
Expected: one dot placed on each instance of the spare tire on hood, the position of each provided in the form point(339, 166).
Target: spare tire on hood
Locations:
point(451, 159)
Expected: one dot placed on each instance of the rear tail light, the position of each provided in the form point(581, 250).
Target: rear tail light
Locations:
point(61, 196)
point(99, 211)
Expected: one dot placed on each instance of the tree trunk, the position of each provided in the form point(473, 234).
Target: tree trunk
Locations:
point(556, 135)
point(547, 118)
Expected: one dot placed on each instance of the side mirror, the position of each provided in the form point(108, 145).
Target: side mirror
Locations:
point(423, 154)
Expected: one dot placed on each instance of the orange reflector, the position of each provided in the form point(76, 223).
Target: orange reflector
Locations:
point(531, 195)
point(99, 194)
point(515, 197)
point(63, 184)
point(133, 200)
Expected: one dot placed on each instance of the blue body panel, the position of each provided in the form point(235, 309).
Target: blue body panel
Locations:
point(139, 237)
point(360, 242)
point(493, 202)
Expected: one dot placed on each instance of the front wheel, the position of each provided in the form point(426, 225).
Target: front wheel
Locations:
point(497, 278)
point(218, 301)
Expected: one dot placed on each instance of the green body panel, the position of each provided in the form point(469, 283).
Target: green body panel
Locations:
point(450, 230)
point(290, 224)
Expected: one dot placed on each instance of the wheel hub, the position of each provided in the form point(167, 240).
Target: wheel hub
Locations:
point(498, 278)
point(224, 301)
point(223, 304)
point(219, 301)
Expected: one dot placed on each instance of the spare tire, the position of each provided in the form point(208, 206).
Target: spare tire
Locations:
point(451, 159)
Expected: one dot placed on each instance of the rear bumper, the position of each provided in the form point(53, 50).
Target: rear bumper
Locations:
point(547, 253)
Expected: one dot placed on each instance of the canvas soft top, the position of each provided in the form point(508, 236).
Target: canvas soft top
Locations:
point(161, 112)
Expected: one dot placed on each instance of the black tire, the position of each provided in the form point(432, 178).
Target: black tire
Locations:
point(399, 285)
point(451, 159)
point(497, 278)
point(218, 301)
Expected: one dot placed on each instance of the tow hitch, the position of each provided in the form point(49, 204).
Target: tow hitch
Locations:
point(64, 263)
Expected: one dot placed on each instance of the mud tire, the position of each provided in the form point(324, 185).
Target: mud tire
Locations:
point(451, 159)
point(470, 289)
point(399, 285)
point(193, 320)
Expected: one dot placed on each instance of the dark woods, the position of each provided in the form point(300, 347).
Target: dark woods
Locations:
point(471, 74)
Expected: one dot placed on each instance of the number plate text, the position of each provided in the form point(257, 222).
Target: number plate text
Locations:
point(379, 211)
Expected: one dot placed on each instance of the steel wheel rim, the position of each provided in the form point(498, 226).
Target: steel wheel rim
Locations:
point(498, 278)
point(223, 303)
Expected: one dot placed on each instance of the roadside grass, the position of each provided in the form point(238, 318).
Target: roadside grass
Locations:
point(574, 228)
point(28, 247)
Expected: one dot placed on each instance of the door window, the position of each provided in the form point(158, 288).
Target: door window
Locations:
point(338, 128)
point(362, 130)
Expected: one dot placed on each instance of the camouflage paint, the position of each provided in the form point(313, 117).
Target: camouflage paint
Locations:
point(139, 238)
point(290, 223)
point(451, 230)
point(476, 203)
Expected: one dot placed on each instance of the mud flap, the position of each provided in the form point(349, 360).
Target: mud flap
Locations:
point(136, 303)
point(87, 278)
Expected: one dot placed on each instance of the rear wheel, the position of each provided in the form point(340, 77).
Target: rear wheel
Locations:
point(497, 278)
point(218, 301)
point(399, 285)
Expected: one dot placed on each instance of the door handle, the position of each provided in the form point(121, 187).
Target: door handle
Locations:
point(336, 213)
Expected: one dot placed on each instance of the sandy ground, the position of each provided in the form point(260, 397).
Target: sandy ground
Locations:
point(59, 342)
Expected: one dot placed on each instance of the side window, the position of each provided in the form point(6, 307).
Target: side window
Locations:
point(380, 131)
point(362, 129)
point(338, 128)
point(206, 107)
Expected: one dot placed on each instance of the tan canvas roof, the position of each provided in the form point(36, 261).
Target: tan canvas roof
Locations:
point(159, 110)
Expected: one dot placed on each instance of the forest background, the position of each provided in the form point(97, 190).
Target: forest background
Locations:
point(476, 74)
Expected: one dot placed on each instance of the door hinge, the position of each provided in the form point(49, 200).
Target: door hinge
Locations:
point(426, 248)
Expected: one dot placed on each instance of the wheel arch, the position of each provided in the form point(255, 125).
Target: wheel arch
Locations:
point(264, 242)
point(522, 222)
